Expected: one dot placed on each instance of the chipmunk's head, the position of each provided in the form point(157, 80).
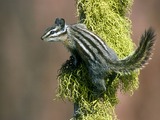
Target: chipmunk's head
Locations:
point(57, 32)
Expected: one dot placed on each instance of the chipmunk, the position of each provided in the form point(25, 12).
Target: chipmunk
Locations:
point(99, 58)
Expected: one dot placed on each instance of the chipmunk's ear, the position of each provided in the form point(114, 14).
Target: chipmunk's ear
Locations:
point(60, 22)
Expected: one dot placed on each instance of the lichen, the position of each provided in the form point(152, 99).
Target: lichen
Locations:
point(106, 18)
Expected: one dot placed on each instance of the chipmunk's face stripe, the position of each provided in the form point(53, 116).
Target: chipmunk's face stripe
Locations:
point(48, 31)
point(52, 33)
point(58, 31)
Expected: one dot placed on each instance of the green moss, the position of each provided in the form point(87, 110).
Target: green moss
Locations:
point(107, 19)
point(100, 111)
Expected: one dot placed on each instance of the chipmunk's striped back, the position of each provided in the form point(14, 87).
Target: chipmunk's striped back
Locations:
point(90, 46)
point(99, 58)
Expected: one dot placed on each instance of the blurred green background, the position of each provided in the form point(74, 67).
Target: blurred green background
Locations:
point(29, 66)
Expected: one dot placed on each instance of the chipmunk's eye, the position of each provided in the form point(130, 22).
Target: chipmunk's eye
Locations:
point(52, 32)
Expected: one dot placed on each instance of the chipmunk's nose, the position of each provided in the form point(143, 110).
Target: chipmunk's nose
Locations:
point(43, 36)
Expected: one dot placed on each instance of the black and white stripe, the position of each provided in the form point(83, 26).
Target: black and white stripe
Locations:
point(91, 45)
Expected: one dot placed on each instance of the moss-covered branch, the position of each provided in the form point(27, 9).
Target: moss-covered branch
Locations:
point(107, 18)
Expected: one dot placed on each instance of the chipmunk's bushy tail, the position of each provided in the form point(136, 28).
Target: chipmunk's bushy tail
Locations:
point(140, 56)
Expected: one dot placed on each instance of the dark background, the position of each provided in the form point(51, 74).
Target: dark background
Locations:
point(28, 66)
